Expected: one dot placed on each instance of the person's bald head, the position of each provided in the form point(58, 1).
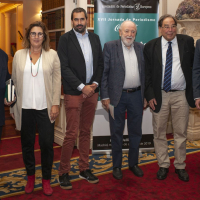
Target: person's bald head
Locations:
point(127, 32)
point(127, 22)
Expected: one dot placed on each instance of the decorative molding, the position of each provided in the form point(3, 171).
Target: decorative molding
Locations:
point(7, 15)
point(8, 7)
point(190, 27)
point(12, 1)
point(193, 130)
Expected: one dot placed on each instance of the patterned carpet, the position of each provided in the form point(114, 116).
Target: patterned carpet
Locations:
point(13, 182)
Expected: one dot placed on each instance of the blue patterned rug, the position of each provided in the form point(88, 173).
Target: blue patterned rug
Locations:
point(13, 182)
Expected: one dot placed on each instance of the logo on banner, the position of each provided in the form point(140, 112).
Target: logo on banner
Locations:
point(117, 27)
point(137, 6)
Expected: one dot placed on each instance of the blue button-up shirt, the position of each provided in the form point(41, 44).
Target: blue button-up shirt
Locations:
point(87, 53)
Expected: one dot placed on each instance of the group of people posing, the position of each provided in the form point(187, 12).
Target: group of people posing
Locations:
point(164, 73)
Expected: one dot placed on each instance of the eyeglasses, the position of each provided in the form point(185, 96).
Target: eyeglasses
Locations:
point(33, 34)
point(168, 27)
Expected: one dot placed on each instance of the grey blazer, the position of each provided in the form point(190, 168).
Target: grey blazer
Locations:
point(114, 70)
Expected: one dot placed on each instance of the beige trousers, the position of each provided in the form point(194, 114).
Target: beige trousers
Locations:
point(176, 103)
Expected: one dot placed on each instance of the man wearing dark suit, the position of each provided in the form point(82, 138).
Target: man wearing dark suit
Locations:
point(196, 75)
point(168, 88)
point(81, 59)
point(4, 76)
point(122, 86)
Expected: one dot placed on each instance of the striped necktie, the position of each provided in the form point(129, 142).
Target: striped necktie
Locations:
point(168, 69)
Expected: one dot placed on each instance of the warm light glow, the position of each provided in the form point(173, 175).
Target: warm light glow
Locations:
point(40, 14)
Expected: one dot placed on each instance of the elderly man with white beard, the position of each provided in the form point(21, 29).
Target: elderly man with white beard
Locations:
point(122, 86)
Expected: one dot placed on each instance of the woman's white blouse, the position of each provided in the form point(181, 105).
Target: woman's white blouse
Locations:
point(34, 96)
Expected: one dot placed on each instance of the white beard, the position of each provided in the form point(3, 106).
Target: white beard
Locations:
point(127, 43)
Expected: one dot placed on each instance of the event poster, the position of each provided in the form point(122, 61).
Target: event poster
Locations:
point(108, 16)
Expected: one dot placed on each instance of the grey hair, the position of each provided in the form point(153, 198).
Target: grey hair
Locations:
point(127, 21)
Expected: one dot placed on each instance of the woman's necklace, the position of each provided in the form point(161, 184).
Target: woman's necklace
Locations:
point(38, 64)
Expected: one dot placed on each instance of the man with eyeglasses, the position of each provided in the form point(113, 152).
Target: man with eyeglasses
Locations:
point(168, 89)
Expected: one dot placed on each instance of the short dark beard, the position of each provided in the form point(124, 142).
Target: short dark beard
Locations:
point(80, 30)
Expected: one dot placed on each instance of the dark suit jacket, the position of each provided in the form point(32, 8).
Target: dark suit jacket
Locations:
point(114, 70)
point(4, 76)
point(153, 68)
point(73, 68)
point(196, 71)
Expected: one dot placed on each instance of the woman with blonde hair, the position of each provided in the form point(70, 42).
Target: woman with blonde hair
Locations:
point(37, 79)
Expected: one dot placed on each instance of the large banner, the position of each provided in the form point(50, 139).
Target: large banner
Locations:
point(108, 16)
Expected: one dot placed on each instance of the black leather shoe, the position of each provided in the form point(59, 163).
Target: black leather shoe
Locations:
point(162, 173)
point(117, 173)
point(182, 174)
point(137, 170)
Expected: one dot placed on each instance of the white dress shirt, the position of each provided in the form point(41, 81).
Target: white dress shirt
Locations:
point(132, 76)
point(34, 95)
point(177, 77)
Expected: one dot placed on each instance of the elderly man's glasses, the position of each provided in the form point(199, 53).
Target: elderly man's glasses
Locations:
point(169, 27)
point(33, 34)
